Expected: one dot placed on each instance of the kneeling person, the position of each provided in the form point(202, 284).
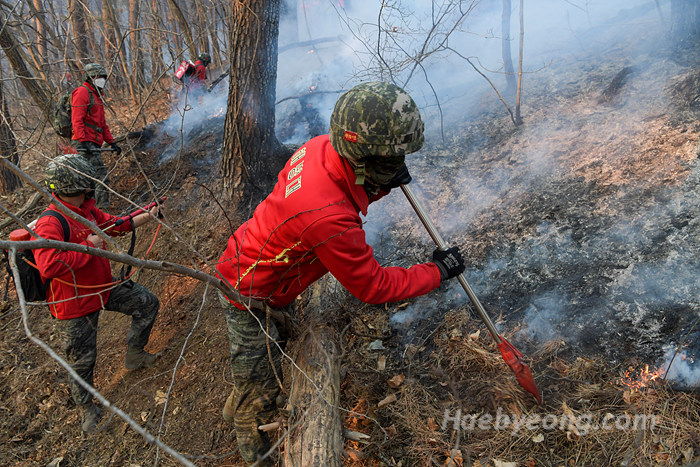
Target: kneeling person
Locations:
point(82, 284)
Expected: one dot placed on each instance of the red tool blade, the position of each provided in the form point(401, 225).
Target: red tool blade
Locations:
point(512, 357)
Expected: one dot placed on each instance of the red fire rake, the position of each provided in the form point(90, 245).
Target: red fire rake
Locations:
point(510, 354)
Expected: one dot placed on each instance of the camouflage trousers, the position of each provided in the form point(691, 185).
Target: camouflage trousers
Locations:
point(80, 334)
point(253, 369)
point(94, 156)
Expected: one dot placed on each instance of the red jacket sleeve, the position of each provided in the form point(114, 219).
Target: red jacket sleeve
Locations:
point(80, 100)
point(343, 249)
point(109, 139)
point(105, 220)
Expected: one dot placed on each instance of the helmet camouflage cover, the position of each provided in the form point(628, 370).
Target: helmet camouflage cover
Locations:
point(374, 125)
point(68, 174)
point(93, 70)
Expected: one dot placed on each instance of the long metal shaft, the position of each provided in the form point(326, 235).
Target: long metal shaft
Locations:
point(440, 242)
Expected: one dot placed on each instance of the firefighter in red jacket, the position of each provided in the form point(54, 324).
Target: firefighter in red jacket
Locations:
point(196, 82)
point(82, 284)
point(310, 225)
point(90, 128)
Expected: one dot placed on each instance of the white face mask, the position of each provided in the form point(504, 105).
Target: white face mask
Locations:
point(99, 82)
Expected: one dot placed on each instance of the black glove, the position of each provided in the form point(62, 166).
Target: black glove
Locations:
point(402, 177)
point(116, 148)
point(449, 262)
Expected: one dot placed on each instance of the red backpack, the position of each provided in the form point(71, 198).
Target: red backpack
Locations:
point(185, 70)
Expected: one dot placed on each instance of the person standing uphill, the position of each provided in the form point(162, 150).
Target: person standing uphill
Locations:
point(82, 284)
point(90, 128)
point(310, 225)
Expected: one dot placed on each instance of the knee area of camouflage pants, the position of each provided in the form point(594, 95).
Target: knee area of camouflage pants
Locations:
point(135, 300)
point(255, 367)
point(80, 345)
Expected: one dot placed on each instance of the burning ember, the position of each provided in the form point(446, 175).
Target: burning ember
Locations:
point(638, 379)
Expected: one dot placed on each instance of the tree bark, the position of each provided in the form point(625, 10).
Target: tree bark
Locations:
point(122, 53)
point(13, 52)
point(314, 398)
point(251, 150)
point(184, 27)
point(505, 50)
point(518, 118)
point(77, 21)
point(9, 181)
point(41, 34)
point(137, 65)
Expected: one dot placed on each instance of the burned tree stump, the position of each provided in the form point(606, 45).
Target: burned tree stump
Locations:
point(316, 427)
point(315, 423)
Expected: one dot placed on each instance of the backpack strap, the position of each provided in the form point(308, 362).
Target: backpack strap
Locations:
point(61, 219)
point(90, 104)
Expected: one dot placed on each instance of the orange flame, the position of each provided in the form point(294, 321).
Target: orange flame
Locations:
point(638, 379)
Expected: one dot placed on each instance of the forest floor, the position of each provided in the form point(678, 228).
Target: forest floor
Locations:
point(432, 355)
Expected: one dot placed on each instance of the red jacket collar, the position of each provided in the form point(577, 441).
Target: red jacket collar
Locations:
point(357, 192)
point(87, 206)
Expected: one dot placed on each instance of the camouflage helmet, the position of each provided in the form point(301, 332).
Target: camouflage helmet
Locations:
point(205, 58)
point(376, 124)
point(69, 174)
point(93, 70)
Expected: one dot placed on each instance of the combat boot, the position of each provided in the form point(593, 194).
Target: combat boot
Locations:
point(91, 415)
point(138, 358)
point(229, 409)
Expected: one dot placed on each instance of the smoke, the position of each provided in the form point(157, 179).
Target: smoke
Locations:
point(683, 372)
point(192, 113)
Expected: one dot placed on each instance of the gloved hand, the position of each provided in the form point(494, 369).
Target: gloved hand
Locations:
point(116, 148)
point(449, 262)
point(402, 177)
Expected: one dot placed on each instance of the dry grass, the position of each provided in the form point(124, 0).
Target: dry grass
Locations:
point(587, 418)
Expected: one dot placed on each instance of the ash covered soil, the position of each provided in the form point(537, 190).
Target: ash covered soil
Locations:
point(581, 235)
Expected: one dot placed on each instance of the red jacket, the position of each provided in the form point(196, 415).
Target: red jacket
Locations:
point(197, 79)
point(200, 71)
point(89, 126)
point(73, 267)
point(310, 225)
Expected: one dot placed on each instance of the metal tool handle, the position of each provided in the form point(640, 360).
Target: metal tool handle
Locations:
point(435, 235)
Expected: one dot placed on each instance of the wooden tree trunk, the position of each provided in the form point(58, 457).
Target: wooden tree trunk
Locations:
point(137, 65)
point(251, 152)
point(505, 50)
point(13, 52)
point(110, 42)
point(214, 37)
point(157, 38)
point(41, 34)
point(316, 424)
point(77, 20)
point(122, 53)
point(518, 117)
point(9, 181)
point(184, 27)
